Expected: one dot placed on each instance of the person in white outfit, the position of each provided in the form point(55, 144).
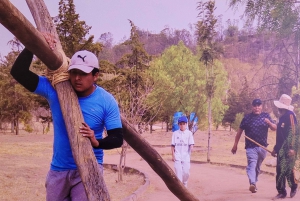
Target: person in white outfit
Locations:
point(181, 147)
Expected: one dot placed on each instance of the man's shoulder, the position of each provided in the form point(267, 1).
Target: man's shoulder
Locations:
point(288, 115)
point(44, 86)
point(102, 92)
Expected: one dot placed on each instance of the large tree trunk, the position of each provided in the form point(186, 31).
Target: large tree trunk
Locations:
point(15, 22)
point(33, 40)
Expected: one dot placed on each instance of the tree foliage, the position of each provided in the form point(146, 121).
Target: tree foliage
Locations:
point(129, 81)
point(209, 51)
point(73, 32)
point(15, 101)
point(281, 17)
point(179, 84)
point(238, 102)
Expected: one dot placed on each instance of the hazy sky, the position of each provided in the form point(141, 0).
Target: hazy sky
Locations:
point(112, 16)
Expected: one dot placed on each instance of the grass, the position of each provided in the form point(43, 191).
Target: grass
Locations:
point(25, 160)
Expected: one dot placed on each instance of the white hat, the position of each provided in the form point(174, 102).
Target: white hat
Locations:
point(284, 102)
point(84, 60)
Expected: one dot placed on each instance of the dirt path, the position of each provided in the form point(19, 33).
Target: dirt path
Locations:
point(207, 182)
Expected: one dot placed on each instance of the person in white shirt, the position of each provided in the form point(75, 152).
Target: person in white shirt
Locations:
point(181, 147)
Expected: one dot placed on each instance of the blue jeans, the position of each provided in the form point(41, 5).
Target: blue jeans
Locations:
point(255, 157)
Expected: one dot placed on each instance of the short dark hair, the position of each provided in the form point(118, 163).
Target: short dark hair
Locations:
point(94, 71)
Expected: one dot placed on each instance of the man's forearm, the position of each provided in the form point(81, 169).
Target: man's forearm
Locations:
point(238, 136)
point(20, 71)
point(113, 140)
point(173, 150)
point(272, 126)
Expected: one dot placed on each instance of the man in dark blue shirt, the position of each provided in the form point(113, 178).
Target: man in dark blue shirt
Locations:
point(255, 125)
point(285, 147)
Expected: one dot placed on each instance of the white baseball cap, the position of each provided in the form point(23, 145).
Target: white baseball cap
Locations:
point(84, 60)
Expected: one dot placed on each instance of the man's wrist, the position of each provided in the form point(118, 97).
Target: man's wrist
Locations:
point(95, 143)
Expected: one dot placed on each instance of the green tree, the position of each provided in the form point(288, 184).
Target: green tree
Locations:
point(209, 51)
point(179, 83)
point(133, 78)
point(221, 88)
point(237, 122)
point(15, 101)
point(73, 32)
point(238, 102)
point(130, 85)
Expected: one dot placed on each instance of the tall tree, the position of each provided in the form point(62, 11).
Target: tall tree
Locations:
point(133, 84)
point(209, 51)
point(73, 32)
point(133, 78)
point(15, 101)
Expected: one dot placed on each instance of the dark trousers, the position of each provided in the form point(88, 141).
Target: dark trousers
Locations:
point(283, 173)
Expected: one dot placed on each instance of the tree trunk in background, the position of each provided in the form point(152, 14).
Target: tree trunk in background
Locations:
point(167, 126)
point(209, 129)
point(12, 126)
point(17, 125)
point(122, 162)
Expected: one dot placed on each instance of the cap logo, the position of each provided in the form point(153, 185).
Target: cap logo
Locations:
point(85, 61)
point(79, 56)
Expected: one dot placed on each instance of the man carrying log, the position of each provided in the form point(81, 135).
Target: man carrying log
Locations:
point(256, 126)
point(100, 110)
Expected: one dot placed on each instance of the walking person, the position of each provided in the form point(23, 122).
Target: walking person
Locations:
point(286, 147)
point(100, 111)
point(181, 147)
point(255, 125)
